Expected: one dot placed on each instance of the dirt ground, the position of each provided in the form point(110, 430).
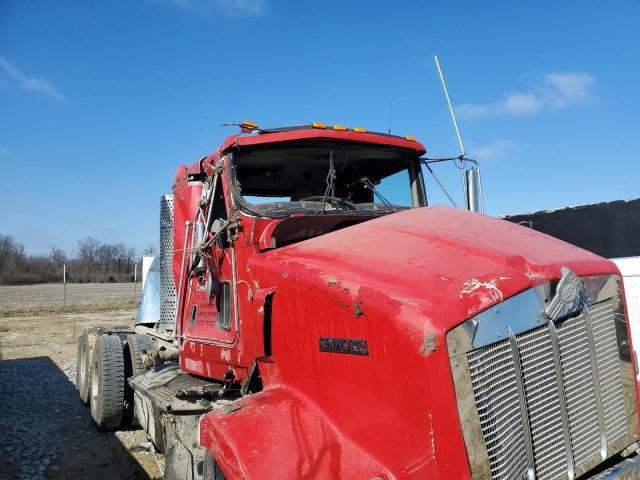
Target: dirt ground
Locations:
point(47, 432)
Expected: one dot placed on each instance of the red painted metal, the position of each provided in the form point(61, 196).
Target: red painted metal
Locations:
point(240, 140)
point(395, 282)
point(321, 133)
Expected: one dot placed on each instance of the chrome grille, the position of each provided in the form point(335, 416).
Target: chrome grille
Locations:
point(496, 384)
point(497, 398)
point(168, 303)
point(610, 381)
point(578, 387)
point(543, 402)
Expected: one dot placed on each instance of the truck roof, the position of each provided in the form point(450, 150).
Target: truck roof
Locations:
point(320, 131)
point(252, 136)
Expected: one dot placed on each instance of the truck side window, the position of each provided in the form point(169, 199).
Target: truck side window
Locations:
point(219, 214)
point(224, 306)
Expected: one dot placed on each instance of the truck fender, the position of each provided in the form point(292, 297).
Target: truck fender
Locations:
point(280, 433)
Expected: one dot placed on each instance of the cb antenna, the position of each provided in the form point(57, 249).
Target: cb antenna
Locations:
point(201, 124)
point(395, 68)
point(471, 183)
point(453, 117)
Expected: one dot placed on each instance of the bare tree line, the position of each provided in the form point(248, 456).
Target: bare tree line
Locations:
point(92, 261)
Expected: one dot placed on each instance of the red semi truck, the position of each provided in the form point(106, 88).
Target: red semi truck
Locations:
point(311, 327)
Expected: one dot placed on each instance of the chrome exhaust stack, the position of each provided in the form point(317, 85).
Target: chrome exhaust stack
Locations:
point(473, 190)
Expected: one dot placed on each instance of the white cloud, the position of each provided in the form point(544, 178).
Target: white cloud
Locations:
point(569, 88)
point(492, 150)
point(232, 8)
point(552, 91)
point(522, 104)
point(31, 84)
point(243, 7)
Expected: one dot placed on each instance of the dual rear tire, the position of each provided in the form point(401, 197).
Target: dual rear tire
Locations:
point(107, 383)
point(134, 349)
point(83, 368)
point(105, 361)
point(86, 343)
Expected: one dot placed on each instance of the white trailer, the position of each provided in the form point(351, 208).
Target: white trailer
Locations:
point(630, 269)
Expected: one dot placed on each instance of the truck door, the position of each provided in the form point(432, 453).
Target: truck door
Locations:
point(209, 300)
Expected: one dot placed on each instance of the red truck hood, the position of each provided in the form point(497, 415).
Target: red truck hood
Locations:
point(446, 262)
point(394, 286)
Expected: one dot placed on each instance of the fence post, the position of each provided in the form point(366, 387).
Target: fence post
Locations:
point(135, 281)
point(64, 284)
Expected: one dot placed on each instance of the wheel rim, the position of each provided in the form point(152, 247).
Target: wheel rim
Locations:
point(82, 367)
point(94, 385)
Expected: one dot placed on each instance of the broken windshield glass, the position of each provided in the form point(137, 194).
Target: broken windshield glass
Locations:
point(324, 179)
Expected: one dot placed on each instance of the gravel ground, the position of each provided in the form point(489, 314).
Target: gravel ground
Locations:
point(69, 368)
point(31, 441)
point(47, 432)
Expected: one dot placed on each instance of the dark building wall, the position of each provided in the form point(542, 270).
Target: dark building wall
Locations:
point(609, 229)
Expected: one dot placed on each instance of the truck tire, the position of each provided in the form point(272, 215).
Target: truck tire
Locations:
point(136, 344)
point(107, 382)
point(86, 343)
point(212, 470)
point(83, 368)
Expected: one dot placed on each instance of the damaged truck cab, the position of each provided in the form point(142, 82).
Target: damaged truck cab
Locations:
point(318, 320)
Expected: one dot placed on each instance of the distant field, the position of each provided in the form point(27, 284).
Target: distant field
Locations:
point(76, 294)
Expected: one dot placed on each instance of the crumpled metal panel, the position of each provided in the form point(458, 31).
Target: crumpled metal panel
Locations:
point(149, 310)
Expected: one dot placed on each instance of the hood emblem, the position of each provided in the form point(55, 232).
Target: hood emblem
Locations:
point(570, 296)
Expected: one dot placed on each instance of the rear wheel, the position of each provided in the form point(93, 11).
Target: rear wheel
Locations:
point(82, 368)
point(107, 382)
point(135, 346)
point(86, 343)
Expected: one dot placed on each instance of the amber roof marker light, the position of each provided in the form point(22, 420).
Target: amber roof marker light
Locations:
point(246, 126)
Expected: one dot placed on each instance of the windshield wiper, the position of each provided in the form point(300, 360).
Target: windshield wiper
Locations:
point(368, 184)
point(330, 191)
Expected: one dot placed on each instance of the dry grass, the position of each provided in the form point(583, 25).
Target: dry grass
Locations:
point(40, 310)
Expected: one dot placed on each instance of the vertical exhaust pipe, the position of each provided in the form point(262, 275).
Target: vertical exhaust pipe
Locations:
point(473, 190)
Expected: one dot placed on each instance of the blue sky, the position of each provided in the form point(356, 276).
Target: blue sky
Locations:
point(101, 101)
